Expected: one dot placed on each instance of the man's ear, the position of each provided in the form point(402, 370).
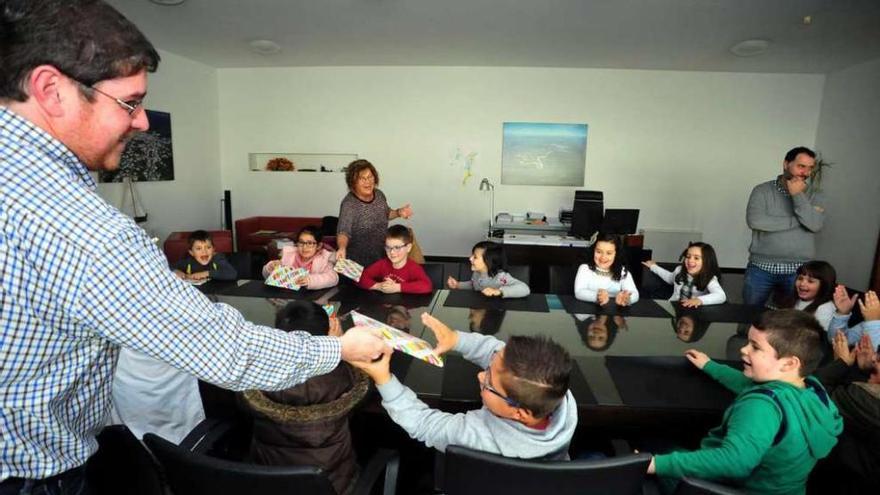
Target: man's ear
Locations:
point(45, 84)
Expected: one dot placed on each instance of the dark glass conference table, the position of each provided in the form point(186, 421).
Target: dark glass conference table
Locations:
point(628, 363)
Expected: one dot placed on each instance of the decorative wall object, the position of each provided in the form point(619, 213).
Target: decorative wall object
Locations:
point(544, 154)
point(300, 162)
point(148, 156)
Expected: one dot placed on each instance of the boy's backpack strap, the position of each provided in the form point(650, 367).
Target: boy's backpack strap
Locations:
point(783, 425)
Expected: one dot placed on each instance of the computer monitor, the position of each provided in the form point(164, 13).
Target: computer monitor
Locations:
point(620, 221)
point(586, 215)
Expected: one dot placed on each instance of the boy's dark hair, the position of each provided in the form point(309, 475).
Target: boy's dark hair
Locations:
point(710, 266)
point(199, 235)
point(303, 315)
point(618, 268)
point(794, 152)
point(493, 256)
point(86, 40)
point(827, 276)
point(312, 230)
point(793, 333)
point(538, 375)
point(355, 168)
point(399, 232)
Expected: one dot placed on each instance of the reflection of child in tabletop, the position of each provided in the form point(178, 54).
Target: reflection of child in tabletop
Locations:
point(696, 279)
point(310, 254)
point(203, 262)
point(598, 331)
point(605, 276)
point(396, 273)
point(487, 263)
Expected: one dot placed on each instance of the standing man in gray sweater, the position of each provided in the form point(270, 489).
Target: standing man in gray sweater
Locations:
point(784, 215)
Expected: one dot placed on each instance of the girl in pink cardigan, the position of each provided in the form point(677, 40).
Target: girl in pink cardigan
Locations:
point(310, 254)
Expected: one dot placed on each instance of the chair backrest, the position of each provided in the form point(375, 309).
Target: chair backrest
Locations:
point(562, 279)
point(519, 272)
point(470, 472)
point(693, 486)
point(122, 465)
point(196, 474)
point(435, 273)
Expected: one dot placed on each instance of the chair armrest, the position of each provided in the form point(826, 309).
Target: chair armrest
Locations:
point(383, 461)
point(205, 435)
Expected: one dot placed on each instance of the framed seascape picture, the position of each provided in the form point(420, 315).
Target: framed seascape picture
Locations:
point(148, 156)
point(544, 154)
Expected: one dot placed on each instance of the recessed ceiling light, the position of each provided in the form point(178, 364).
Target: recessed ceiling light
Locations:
point(750, 48)
point(265, 47)
point(168, 2)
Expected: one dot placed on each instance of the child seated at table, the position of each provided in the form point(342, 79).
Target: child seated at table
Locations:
point(202, 262)
point(396, 273)
point(696, 281)
point(528, 411)
point(310, 254)
point(814, 291)
point(782, 420)
point(870, 312)
point(604, 277)
point(489, 277)
point(308, 423)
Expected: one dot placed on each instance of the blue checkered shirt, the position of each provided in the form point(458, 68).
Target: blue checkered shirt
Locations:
point(77, 280)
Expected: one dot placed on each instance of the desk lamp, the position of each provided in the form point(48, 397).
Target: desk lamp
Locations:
point(485, 185)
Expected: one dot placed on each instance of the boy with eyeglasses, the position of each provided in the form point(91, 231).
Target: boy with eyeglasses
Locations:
point(202, 262)
point(396, 272)
point(528, 411)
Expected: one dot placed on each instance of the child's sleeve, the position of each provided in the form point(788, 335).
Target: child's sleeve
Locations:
point(716, 293)
point(731, 378)
point(417, 281)
point(180, 265)
point(585, 287)
point(511, 287)
point(467, 284)
point(628, 284)
point(324, 277)
point(222, 269)
point(664, 274)
point(371, 275)
point(751, 428)
point(824, 314)
point(854, 334)
point(478, 348)
point(840, 323)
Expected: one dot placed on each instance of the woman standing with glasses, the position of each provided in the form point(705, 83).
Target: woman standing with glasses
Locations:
point(310, 254)
point(364, 215)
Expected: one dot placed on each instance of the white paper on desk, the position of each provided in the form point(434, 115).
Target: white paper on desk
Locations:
point(400, 340)
point(198, 282)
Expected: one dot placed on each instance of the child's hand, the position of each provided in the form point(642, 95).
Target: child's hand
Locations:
point(841, 349)
point(620, 322)
point(335, 329)
point(388, 286)
point(272, 265)
point(446, 337)
point(871, 307)
point(489, 291)
point(651, 468)
point(602, 297)
point(697, 358)
point(302, 281)
point(451, 282)
point(649, 263)
point(693, 302)
point(864, 353)
point(842, 301)
point(180, 274)
point(380, 370)
point(199, 275)
point(622, 298)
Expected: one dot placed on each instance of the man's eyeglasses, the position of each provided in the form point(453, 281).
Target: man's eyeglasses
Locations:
point(393, 249)
point(130, 106)
point(486, 384)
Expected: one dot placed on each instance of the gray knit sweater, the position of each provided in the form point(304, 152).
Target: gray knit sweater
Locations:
point(783, 226)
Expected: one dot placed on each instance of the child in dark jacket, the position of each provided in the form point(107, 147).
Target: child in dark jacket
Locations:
point(308, 424)
point(202, 262)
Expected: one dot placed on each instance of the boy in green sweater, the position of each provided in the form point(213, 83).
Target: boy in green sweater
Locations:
point(782, 420)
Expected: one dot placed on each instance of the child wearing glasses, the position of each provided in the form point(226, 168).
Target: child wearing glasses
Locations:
point(310, 254)
point(396, 272)
point(487, 263)
point(528, 411)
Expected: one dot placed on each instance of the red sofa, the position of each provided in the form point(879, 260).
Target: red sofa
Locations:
point(177, 244)
point(249, 238)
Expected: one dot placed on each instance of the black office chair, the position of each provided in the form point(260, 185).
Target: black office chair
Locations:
point(562, 279)
point(470, 472)
point(519, 272)
point(191, 472)
point(693, 486)
point(435, 273)
point(122, 465)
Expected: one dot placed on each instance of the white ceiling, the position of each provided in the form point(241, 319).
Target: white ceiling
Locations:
point(628, 34)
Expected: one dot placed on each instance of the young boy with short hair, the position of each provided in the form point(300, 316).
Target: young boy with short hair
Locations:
point(528, 411)
point(782, 420)
point(396, 273)
point(202, 261)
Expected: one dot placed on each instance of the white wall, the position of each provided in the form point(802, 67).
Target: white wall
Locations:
point(188, 90)
point(684, 147)
point(849, 127)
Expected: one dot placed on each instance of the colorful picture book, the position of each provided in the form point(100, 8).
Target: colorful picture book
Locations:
point(331, 309)
point(349, 268)
point(285, 277)
point(400, 340)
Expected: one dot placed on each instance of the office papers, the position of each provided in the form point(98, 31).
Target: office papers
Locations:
point(285, 277)
point(349, 268)
point(400, 340)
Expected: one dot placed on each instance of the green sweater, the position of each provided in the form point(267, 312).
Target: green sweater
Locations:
point(740, 452)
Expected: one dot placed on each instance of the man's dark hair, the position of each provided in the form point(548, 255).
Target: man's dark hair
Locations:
point(355, 168)
point(303, 315)
point(399, 232)
point(794, 152)
point(793, 333)
point(538, 375)
point(618, 267)
point(87, 40)
point(199, 235)
point(493, 256)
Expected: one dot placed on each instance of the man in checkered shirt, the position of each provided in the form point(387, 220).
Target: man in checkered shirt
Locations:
point(78, 279)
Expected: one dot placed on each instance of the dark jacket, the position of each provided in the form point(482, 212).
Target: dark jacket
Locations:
point(308, 424)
